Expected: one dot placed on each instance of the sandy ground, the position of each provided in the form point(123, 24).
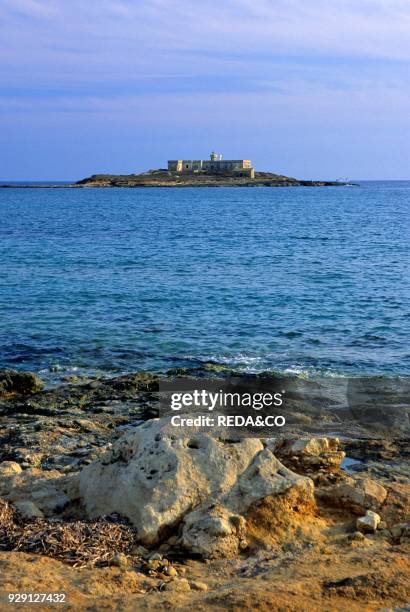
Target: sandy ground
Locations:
point(320, 568)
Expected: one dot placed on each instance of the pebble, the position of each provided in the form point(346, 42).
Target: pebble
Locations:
point(154, 564)
point(197, 585)
point(141, 551)
point(357, 536)
point(120, 560)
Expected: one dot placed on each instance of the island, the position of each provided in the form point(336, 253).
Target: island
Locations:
point(215, 172)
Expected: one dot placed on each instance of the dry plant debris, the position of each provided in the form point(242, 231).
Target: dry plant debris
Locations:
point(78, 543)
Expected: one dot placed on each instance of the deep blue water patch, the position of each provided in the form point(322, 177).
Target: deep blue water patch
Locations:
point(290, 279)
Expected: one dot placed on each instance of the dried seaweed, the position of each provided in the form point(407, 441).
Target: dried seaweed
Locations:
point(78, 543)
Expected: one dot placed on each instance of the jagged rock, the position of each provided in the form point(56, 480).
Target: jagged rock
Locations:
point(369, 522)
point(154, 476)
point(310, 452)
point(265, 477)
point(358, 494)
point(214, 532)
point(401, 530)
point(49, 491)
point(157, 478)
point(19, 383)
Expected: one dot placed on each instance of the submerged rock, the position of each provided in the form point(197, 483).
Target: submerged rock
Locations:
point(160, 479)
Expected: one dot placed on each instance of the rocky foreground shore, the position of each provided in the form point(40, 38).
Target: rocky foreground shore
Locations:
point(113, 506)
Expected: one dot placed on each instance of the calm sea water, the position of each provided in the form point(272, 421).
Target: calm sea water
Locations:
point(290, 279)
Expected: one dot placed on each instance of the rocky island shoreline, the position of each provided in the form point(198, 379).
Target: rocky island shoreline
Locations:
point(102, 499)
point(166, 178)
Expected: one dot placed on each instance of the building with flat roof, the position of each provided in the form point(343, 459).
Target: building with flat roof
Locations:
point(215, 165)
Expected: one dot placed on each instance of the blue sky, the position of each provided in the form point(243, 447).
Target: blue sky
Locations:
point(308, 88)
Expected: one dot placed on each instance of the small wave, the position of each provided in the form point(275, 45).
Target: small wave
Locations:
point(251, 364)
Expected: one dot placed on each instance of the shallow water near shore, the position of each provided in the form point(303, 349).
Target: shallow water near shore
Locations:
point(295, 280)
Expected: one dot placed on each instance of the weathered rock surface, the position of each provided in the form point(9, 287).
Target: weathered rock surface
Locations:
point(369, 522)
point(158, 478)
point(310, 453)
point(214, 531)
point(28, 510)
point(13, 382)
point(49, 491)
point(357, 494)
point(65, 428)
point(295, 554)
point(165, 178)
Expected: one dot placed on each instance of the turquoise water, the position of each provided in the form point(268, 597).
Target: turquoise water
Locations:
point(290, 279)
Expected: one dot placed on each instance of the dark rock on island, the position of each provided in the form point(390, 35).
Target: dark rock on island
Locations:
point(167, 178)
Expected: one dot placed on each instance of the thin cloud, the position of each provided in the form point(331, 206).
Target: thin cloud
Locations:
point(263, 66)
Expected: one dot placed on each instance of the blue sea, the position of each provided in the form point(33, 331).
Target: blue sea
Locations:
point(302, 280)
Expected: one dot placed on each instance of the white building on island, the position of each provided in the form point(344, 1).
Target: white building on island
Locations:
point(216, 165)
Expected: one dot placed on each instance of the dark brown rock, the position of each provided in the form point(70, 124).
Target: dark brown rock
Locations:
point(19, 383)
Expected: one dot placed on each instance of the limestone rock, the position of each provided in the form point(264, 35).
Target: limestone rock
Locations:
point(358, 494)
point(48, 490)
point(401, 530)
point(154, 475)
point(266, 476)
point(369, 522)
point(159, 479)
point(28, 509)
point(214, 532)
point(13, 382)
point(310, 452)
